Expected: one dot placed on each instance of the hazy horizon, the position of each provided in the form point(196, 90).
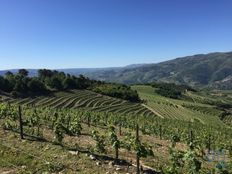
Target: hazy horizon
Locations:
point(60, 68)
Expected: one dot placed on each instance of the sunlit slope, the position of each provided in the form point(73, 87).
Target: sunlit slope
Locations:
point(83, 99)
point(188, 109)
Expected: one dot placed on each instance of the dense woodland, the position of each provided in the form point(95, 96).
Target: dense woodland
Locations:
point(171, 90)
point(48, 81)
point(118, 91)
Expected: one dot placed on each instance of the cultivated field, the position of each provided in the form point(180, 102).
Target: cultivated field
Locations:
point(82, 99)
point(71, 132)
point(193, 107)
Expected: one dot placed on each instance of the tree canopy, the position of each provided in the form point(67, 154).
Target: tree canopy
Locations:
point(47, 81)
point(171, 90)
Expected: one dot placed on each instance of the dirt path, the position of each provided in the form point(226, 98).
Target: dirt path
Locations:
point(152, 110)
point(7, 171)
point(145, 167)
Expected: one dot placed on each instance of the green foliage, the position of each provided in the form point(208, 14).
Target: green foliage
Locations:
point(118, 91)
point(5, 84)
point(191, 158)
point(192, 162)
point(54, 167)
point(171, 90)
point(114, 141)
point(4, 110)
point(75, 127)
point(10, 116)
point(20, 85)
point(141, 149)
point(59, 131)
point(128, 141)
point(36, 86)
point(220, 168)
point(71, 119)
point(187, 161)
point(33, 120)
point(177, 163)
point(100, 142)
point(175, 139)
point(23, 72)
point(176, 157)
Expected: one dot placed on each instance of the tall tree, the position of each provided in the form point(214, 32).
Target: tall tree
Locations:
point(23, 72)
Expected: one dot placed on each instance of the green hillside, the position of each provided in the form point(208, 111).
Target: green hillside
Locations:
point(79, 131)
point(85, 99)
point(195, 105)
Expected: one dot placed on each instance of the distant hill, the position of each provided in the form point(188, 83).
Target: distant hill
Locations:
point(202, 70)
point(32, 72)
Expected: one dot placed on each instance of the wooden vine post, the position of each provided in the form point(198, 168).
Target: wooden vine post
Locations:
point(120, 128)
point(137, 155)
point(106, 119)
point(160, 132)
point(88, 120)
point(191, 136)
point(209, 143)
point(20, 122)
point(191, 139)
point(69, 122)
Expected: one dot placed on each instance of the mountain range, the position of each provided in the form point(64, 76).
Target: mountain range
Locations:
point(203, 70)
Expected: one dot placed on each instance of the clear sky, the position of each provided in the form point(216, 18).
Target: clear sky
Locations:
point(108, 33)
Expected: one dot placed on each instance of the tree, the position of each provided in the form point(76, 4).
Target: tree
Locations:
point(8, 74)
point(82, 82)
point(3, 85)
point(55, 83)
point(118, 91)
point(171, 90)
point(23, 72)
point(68, 83)
point(43, 73)
point(20, 87)
point(10, 81)
point(36, 86)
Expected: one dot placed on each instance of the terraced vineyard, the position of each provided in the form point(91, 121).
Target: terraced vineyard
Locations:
point(179, 109)
point(155, 104)
point(228, 119)
point(83, 99)
point(77, 131)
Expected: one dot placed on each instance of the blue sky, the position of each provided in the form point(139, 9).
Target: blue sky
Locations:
point(108, 33)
